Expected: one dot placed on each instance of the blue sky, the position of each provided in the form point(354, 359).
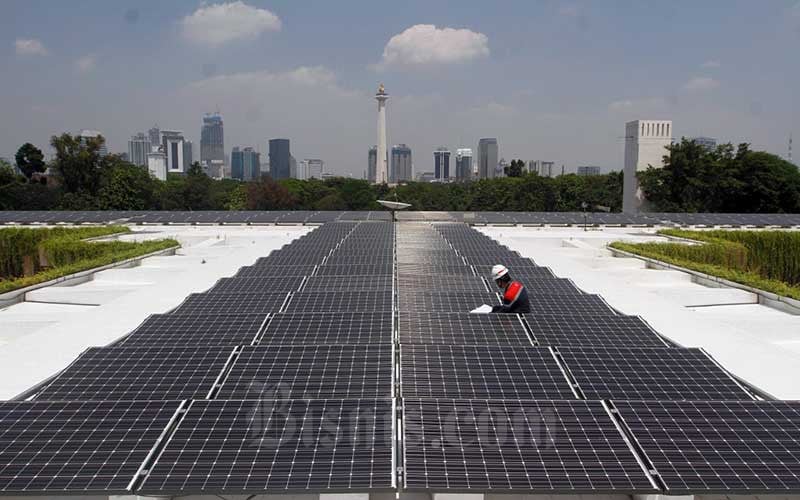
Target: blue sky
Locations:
point(552, 80)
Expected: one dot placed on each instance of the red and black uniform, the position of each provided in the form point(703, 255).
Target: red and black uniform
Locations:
point(515, 299)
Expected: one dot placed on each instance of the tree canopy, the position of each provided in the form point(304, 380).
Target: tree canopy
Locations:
point(30, 160)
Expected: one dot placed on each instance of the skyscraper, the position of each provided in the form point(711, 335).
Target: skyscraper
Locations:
point(157, 163)
point(372, 162)
point(645, 143)
point(187, 155)
point(463, 164)
point(138, 149)
point(441, 164)
point(314, 168)
point(245, 164)
point(155, 136)
point(172, 145)
point(93, 134)
point(212, 144)
point(279, 159)
point(401, 163)
point(487, 157)
point(381, 169)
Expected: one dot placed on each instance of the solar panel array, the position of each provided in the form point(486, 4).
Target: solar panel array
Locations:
point(293, 375)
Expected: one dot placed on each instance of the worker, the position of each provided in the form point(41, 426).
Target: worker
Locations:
point(515, 296)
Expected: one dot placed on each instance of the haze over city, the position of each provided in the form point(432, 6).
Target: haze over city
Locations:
point(551, 80)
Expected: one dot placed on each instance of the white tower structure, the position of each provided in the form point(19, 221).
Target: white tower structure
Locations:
point(382, 167)
point(645, 143)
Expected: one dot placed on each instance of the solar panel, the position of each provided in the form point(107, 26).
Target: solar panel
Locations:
point(278, 271)
point(745, 447)
point(646, 373)
point(260, 284)
point(569, 305)
point(451, 283)
point(195, 330)
point(461, 329)
point(428, 269)
point(310, 372)
point(355, 283)
point(270, 447)
point(231, 303)
point(592, 331)
point(370, 300)
point(115, 373)
point(481, 372)
point(517, 271)
point(524, 446)
point(328, 328)
point(372, 269)
point(444, 302)
point(77, 447)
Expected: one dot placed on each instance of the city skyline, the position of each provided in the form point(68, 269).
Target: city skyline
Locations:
point(576, 77)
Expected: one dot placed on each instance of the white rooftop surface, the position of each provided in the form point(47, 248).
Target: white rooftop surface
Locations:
point(39, 338)
point(759, 344)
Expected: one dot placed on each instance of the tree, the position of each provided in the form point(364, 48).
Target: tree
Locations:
point(78, 162)
point(267, 194)
point(515, 169)
point(127, 187)
point(30, 160)
point(7, 175)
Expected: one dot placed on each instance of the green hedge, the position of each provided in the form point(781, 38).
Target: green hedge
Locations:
point(767, 260)
point(65, 251)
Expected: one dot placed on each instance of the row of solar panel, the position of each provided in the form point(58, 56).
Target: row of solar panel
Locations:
point(260, 446)
point(365, 371)
point(319, 217)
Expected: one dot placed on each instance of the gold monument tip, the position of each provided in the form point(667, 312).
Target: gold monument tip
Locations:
point(381, 90)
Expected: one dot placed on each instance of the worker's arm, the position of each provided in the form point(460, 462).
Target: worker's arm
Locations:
point(510, 298)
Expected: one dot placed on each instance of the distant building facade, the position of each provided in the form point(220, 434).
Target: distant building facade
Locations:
point(645, 143)
point(401, 169)
point(85, 135)
point(541, 167)
point(172, 146)
point(279, 159)
point(314, 168)
point(488, 154)
point(709, 143)
point(157, 163)
point(463, 164)
point(441, 164)
point(245, 164)
point(138, 148)
point(588, 170)
point(372, 164)
point(212, 145)
point(188, 155)
point(154, 134)
point(426, 177)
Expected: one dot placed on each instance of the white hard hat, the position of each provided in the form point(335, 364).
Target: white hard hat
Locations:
point(498, 271)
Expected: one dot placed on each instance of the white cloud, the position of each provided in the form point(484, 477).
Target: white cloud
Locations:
point(218, 24)
point(29, 47)
point(711, 64)
point(424, 44)
point(311, 76)
point(569, 11)
point(86, 63)
point(700, 84)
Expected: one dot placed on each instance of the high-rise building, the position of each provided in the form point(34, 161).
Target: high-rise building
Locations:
point(157, 163)
point(212, 145)
point(172, 146)
point(138, 148)
point(187, 155)
point(314, 167)
point(382, 169)
point(463, 164)
point(707, 142)
point(541, 167)
point(93, 134)
point(441, 164)
point(279, 159)
point(154, 135)
point(293, 167)
point(487, 157)
point(588, 170)
point(372, 163)
point(245, 164)
point(645, 146)
point(401, 164)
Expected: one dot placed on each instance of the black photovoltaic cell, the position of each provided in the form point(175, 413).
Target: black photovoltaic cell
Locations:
point(77, 447)
point(276, 271)
point(310, 372)
point(524, 446)
point(329, 328)
point(481, 372)
point(117, 373)
point(569, 305)
point(463, 302)
point(518, 271)
point(461, 329)
point(369, 300)
point(725, 447)
point(592, 331)
point(428, 269)
point(450, 283)
point(277, 446)
point(231, 303)
point(372, 269)
point(195, 330)
point(354, 283)
point(259, 284)
point(646, 373)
